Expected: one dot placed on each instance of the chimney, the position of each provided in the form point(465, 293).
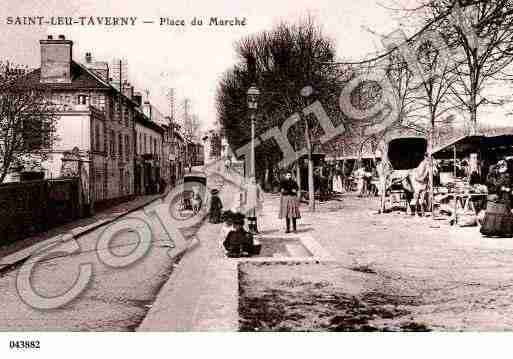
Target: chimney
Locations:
point(147, 109)
point(100, 68)
point(138, 98)
point(128, 90)
point(56, 57)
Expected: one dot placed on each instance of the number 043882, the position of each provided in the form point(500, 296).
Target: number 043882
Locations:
point(24, 344)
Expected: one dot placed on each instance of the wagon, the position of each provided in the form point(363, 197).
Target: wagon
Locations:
point(403, 153)
point(191, 180)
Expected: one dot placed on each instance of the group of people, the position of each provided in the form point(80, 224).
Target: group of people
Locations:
point(240, 242)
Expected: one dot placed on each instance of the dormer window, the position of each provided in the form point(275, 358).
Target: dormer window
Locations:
point(82, 99)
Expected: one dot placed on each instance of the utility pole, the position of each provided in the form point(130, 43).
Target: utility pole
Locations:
point(308, 91)
point(186, 121)
point(311, 189)
point(171, 97)
point(120, 91)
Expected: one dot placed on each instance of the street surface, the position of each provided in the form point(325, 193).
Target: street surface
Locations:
point(117, 299)
point(456, 279)
point(460, 280)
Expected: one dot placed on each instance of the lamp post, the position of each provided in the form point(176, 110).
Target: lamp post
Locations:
point(253, 95)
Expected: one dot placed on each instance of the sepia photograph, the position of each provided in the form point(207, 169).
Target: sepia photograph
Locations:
point(241, 167)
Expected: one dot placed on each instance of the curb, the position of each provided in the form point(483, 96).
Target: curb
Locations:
point(14, 260)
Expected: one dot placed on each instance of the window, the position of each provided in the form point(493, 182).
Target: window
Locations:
point(127, 147)
point(82, 99)
point(116, 111)
point(33, 133)
point(97, 138)
point(119, 111)
point(121, 182)
point(120, 145)
point(112, 143)
point(145, 148)
point(98, 100)
point(126, 115)
point(140, 144)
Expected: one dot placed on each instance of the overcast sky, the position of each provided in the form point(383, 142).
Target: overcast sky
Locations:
point(189, 59)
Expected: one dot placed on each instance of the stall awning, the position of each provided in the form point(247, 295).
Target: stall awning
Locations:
point(340, 158)
point(465, 145)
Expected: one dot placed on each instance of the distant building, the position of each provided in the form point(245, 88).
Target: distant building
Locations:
point(154, 114)
point(173, 149)
point(195, 154)
point(212, 146)
point(149, 154)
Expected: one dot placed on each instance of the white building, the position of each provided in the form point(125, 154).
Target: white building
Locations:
point(94, 121)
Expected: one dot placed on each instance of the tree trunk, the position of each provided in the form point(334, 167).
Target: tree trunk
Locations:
point(6, 166)
point(266, 177)
point(298, 177)
point(473, 114)
point(2, 176)
point(311, 189)
point(186, 155)
point(431, 164)
point(383, 179)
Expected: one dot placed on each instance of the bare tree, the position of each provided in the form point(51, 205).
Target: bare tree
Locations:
point(481, 34)
point(282, 62)
point(27, 122)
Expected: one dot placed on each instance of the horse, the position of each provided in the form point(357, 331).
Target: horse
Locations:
point(414, 182)
point(196, 200)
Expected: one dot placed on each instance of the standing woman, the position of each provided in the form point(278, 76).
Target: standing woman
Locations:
point(498, 220)
point(289, 205)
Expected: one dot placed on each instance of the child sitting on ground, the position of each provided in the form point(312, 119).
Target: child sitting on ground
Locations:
point(239, 242)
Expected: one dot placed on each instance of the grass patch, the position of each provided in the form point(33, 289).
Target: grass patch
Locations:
point(316, 297)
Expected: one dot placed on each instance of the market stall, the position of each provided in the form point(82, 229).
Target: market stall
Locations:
point(464, 166)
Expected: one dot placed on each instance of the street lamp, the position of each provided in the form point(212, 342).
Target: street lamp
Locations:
point(253, 95)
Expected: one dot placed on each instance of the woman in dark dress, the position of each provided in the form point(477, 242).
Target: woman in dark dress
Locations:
point(289, 205)
point(216, 207)
point(498, 220)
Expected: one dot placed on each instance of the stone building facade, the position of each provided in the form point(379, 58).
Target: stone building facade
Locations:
point(95, 119)
point(149, 155)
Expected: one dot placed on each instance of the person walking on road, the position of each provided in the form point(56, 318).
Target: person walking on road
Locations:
point(216, 207)
point(289, 205)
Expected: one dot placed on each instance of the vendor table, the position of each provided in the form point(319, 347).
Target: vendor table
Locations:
point(463, 201)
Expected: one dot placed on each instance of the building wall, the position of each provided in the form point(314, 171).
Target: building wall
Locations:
point(149, 147)
point(119, 137)
point(93, 121)
point(152, 136)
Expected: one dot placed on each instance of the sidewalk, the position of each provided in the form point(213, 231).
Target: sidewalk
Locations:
point(202, 283)
point(22, 249)
point(202, 294)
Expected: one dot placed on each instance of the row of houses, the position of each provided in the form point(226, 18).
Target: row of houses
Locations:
point(108, 136)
